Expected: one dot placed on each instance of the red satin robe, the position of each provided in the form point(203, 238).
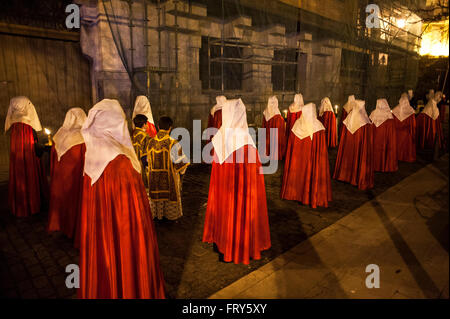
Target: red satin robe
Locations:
point(215, 120)
point(354, 161)
point(428, 132)
point(151, 129)
point(279, 141)
point(290, 120)
point(406, 138)
point(236, 215)
point(442, 109)
point(328, 120)
point(119, 255)
point(28, 185)
point(385, 147)
point(306, 175)
point(341, 123)
point(65, 197)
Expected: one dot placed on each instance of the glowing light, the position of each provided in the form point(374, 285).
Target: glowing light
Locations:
point(285, 113)
point(401, 23)
point(435, 39)
point(47, 131)
point(336, 107)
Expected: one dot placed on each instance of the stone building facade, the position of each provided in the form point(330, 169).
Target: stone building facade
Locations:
point(182, 54)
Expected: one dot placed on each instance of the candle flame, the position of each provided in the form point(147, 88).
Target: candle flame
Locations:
point(47, 131)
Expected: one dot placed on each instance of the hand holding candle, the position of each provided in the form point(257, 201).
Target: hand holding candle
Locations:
point(48, 132)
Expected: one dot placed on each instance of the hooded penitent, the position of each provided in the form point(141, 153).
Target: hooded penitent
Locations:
point(354, 161)
point(236, 217)
point(67, 163)
point(106, 135)
point(294, 112)
point(328, 119)
point(119, 255)
point(429, 129)
point(274, 122)
point(306, 176)
point(385, 138)
point(27, 183)
point(142, 106)
point(405, 125)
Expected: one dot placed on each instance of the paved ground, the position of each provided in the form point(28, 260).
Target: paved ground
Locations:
point(32, 262)
point(403, 230)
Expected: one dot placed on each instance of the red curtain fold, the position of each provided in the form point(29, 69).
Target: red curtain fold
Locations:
point(306, 176)
point(354, 161)
point(328, 120)
point(119, 255)
point(236, 215)
point(274, 142)
point(385, 147)
point(406, 138)
point(66, 190)
point(28, 185)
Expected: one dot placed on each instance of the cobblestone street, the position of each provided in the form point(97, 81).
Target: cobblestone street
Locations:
point(32, 262)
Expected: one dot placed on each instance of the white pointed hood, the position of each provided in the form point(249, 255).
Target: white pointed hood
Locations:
point(403, 110)
point(350, 103)
point(220, 101)
point(233, 134)
point(69, 134)
point(21, 110)
point(382, 113)
point(106, 135)
point(325, 105)
point(357, 117)
point(298, 103)
point(431, 109)
point(142, 106)
point(307, 124)
point(272, 108)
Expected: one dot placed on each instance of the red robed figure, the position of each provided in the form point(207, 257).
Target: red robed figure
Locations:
point(385, 138)
point(328, 119)
point(142, 106)
point(67, 163)
point(405, 126)
point(354, 161)
point(27, 185)
point(215, 120)
point(306, 176)
point(119, 255)
point(429, 129)
point(272, 119)
point(65, 197)
point(294, 113)
point(236, 217)
point(345, 110)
